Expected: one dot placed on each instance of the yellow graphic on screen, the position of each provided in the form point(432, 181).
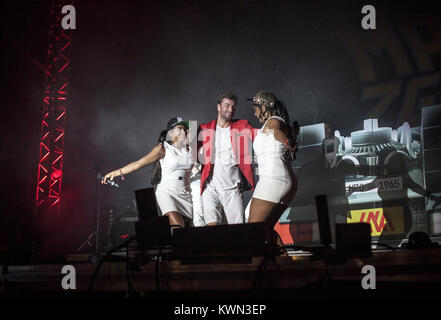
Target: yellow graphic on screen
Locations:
point(383, 221)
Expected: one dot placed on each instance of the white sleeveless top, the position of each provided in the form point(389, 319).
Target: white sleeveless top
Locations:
point(270, 153)
point(175, 166)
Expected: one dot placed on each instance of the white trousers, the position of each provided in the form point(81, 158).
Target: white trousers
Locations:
point(198, 215)
point(214, 199)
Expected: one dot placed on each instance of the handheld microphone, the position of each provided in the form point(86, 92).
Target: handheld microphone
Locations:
point(112, 183)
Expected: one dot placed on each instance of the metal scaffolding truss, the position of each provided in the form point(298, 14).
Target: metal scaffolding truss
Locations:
point(50, 167)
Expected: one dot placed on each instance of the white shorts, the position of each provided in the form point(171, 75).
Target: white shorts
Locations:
point(171, 198)
point(275, 189)
point(231, 201)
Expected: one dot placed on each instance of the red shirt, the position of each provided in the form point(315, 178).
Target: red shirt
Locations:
point(242, 135)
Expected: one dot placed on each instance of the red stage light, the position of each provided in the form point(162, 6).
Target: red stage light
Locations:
point(56, 174)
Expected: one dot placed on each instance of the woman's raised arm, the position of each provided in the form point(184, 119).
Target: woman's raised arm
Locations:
point(148, 159)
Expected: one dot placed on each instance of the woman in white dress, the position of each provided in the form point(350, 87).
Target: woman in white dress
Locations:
point(272, 147)
point(171, 172)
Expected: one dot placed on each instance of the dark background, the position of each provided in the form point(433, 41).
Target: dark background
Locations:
point(135, 64)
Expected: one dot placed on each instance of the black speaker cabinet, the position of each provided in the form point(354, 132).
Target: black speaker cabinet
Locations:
point(232, 243)
point(154, 233)
point(353, 240)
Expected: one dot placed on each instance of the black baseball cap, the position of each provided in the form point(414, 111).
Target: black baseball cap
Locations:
point(173, 122)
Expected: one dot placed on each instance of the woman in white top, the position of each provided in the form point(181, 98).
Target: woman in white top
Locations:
point(277, 183)
point(171, 173)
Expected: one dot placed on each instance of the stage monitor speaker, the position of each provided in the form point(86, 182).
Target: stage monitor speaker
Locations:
point(219, 244)
point(153, 233)
point(146, 203)
point(353, 240)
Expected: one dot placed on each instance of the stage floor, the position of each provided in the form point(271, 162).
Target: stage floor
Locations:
point(399, 270)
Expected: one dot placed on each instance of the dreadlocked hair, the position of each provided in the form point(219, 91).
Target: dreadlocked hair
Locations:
point(156, 170)
point(281, 111)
